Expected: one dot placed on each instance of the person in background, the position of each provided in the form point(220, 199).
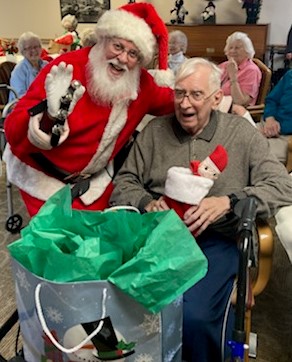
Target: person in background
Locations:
point(88, 37)
point(192, 133)
point(178, 43)
point(83, 108)
point(23, 74)
point(289, 45)
point(277, 125)
point(240, 78)
point(288, 50)
point(71, 37)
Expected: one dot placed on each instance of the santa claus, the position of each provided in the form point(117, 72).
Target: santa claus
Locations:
point(84, 107)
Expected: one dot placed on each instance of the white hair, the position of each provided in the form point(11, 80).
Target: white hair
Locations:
point(180, 37)
point(244, 38)
point(24, 38)
point(69, 22)
point(191, 65)
point(101, 88)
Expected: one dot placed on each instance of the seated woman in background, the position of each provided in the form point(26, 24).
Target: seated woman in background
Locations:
point(241, 77)
point(29, 45)
point(88, 37)
point(277, 119)
point(178, 43)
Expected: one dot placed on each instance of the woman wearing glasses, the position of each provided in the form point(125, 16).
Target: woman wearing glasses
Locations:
point(29, 45)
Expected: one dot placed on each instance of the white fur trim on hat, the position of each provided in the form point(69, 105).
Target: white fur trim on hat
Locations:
point(164, 78)
point(182, 185)
point(123, 24)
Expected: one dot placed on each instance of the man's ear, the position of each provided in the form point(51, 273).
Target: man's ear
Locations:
point(217, 99)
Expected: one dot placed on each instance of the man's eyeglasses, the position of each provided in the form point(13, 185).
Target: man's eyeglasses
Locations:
point(29, 49)
point(118, 48)
point(193, 96)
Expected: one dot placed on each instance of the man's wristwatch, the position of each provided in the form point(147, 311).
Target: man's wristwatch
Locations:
point(233, 201)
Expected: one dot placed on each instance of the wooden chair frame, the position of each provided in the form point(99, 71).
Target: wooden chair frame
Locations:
point(5, 73)
point(257, 110)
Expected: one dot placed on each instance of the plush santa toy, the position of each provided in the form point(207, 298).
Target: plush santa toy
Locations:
point(185, 187)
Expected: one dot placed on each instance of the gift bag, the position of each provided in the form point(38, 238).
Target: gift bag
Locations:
point(71, 313)
point(96, 272)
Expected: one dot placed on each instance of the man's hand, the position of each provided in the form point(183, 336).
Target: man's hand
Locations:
point(57, 83)
point(271, 128)
point(209, 210)
point(157, 205)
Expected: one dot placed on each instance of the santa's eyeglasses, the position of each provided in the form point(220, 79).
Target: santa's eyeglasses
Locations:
point(118, 48)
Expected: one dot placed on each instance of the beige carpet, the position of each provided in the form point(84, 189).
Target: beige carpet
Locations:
point(271, 317)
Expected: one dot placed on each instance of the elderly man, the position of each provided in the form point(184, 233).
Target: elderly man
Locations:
point(252, 170)
point(81, 126)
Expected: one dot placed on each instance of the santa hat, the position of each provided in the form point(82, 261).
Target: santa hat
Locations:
point(66, 39)
point(218, 158)
point(139, 23)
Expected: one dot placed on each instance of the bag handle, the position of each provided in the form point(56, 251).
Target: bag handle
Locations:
point(122, 207)
point(49, 334)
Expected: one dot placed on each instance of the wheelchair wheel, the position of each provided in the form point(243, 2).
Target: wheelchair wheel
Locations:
point(14, 223)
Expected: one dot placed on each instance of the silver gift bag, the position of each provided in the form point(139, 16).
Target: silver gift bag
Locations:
point(92, 321)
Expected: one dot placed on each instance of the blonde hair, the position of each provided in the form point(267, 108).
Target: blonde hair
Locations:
point(69, 22)
point(88, 37)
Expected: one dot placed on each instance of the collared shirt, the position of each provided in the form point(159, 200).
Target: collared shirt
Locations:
point(252, 169)
point(248, 76)
point(22, 76)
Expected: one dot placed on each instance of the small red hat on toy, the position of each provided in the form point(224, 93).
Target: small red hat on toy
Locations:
point(212, 165)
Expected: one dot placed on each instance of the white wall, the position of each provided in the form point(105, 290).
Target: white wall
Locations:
point(43, 16)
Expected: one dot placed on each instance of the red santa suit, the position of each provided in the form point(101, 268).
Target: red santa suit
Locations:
point(97, 134)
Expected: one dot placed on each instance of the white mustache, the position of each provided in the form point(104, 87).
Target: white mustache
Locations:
point(119, 64)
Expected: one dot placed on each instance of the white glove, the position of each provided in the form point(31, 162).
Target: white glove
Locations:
point(56, 84)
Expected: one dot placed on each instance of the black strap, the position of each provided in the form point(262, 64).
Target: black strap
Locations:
point(80, 188)
point(50, 168)
point(39, 108)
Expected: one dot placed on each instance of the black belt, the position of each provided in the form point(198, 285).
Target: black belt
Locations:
point(80, 180)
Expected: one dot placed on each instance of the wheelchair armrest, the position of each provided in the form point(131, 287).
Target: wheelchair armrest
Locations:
point(265, 257)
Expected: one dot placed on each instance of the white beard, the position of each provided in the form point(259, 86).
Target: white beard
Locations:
point(104, 90)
